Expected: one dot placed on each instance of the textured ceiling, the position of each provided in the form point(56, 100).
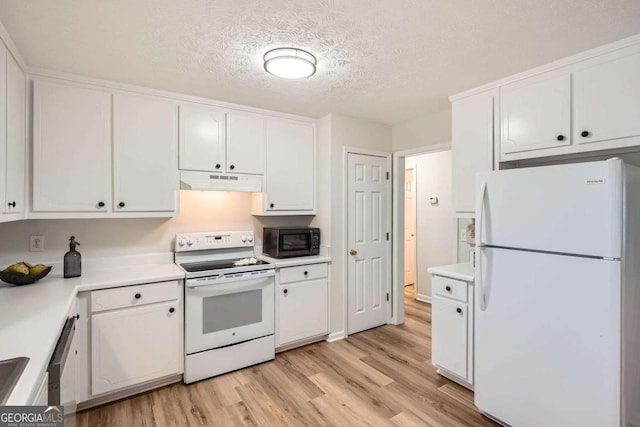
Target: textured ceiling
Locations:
point(386, 60)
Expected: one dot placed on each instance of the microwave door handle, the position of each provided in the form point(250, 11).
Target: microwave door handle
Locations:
point(310, 241)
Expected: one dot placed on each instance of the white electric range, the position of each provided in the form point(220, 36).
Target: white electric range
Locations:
point(229, 303)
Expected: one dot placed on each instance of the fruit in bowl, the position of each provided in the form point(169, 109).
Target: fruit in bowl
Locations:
point(23, 273)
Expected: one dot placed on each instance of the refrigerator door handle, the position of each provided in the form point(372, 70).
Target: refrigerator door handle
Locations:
point(481, 297)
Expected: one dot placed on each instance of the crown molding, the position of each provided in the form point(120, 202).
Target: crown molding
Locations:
point(561, 63)
point(12, 48)
point(44, 73)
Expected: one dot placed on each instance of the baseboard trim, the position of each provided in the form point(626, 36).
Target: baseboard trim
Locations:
point(300, 343)
point(423, 298)
point(336, 336)
point(141, 388)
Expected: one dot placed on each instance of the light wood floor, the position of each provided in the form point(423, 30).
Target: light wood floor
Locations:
point(379, 377)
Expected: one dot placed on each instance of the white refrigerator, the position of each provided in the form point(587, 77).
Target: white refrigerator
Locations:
point(557, 285)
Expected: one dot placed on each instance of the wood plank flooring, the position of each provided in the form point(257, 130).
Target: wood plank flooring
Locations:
point(380, 377)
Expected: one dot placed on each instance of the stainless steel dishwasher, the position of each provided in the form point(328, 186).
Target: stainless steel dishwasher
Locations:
point(59, 360)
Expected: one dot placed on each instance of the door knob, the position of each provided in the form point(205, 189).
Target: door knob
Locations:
point(353, 252)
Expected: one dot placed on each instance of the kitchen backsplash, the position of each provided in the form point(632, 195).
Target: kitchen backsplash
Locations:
point(199, 211)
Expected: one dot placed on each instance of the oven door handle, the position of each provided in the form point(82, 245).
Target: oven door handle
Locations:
point(230, 278)
point(231, 285)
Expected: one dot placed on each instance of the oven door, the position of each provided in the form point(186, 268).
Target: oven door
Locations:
point(228, 309)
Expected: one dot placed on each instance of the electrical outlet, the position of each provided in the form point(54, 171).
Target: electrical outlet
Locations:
point(463, 234)
point(36, 243)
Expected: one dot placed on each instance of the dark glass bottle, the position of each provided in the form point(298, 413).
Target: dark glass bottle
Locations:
point(72, 260)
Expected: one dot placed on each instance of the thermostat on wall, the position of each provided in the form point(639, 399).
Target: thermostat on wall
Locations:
point(433, 200)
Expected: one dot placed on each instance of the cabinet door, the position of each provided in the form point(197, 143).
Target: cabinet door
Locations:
point(607, 100)
point(145, 154)
point(472, 147)
point(71, 148)
point(202, 138)
point(536, 114)
point(16, 137)
point(134, 345)
point(303, 311)
point(246, 139)
point(449, 332)
point(290, 178)
point(3, 123)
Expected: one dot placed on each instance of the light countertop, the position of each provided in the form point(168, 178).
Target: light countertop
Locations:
point(292, 262)
point(32, 316)
point(463, 271)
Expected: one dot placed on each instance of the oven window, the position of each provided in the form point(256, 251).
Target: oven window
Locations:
point(295, 242)
point(231, 311)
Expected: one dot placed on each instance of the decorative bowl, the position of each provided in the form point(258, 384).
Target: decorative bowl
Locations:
point(22, 279)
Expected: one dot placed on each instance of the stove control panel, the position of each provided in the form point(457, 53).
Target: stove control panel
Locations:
point(213, 240)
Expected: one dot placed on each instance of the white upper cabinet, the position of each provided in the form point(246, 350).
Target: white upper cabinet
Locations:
point(71, 148)
point(586, 103)
point(246, 140)
point(3, 122)
point(16, 138)
point(472, 146)
point(145, 153)
point(202, 138)
point(98, 154)
point(536, 114)
point(607, 100)
point(290, 175)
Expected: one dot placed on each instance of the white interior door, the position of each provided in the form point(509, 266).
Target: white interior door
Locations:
point(410, 228)
point(367, 227)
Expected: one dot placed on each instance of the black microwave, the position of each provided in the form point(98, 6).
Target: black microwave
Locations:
point(286, 242)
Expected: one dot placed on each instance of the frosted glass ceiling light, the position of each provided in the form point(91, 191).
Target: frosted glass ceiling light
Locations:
point(290, 63)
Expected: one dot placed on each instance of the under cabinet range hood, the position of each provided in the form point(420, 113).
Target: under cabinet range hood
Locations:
point(220, 182)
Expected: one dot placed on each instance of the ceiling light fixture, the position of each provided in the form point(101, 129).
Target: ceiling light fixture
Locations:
point(290, 63)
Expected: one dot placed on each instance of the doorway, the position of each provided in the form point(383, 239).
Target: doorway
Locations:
point(434, 219)
point(409, 232)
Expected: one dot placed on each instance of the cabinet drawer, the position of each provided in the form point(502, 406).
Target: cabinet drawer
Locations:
point(303, 272)
point(446, 287)
point(131, 296)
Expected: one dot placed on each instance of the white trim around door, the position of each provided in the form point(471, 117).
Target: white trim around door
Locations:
point(397, 215)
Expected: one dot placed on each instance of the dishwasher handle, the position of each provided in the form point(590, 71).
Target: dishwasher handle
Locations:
point(59, 358)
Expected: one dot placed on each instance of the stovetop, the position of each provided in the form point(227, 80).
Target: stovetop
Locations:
point(215, 266)
point(217, 253)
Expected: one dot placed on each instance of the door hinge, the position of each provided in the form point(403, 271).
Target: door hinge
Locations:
point(387, 296)
point(387, 176)
point(387, 235)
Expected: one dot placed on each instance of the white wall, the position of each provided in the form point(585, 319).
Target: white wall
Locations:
point(435, 224)
point(323, 179)
point(345, 132)
point(423, 130)
point(199, 211)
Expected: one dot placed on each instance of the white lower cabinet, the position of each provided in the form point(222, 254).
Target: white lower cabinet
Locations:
point(452, 329)
point(450, 335)
point(133, 344)
point(302, 304)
